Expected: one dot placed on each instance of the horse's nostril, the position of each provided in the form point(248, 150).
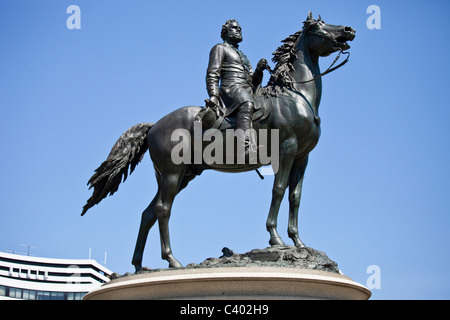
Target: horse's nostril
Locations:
point(348, 29)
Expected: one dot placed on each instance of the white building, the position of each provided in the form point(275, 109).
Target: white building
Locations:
point(33, 278)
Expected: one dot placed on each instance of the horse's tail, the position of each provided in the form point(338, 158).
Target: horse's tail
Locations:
point(126, 153)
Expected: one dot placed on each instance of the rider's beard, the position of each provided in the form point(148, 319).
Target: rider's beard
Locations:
point(236, 37)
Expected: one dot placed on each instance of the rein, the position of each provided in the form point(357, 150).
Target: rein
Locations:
point(330, 69)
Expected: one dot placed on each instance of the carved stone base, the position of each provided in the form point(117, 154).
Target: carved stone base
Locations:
point(232, 283)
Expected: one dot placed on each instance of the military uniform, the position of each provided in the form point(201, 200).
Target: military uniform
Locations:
point(229, 66)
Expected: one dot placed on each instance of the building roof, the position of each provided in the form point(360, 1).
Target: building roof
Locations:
point(50, 274)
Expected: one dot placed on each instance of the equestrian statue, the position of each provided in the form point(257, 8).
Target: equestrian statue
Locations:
point(288, 106)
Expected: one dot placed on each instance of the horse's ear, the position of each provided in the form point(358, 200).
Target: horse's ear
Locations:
point(320, 18)
point(309, 16)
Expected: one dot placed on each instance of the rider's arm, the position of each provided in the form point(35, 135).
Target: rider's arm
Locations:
point(214, 69)
point(258, 75)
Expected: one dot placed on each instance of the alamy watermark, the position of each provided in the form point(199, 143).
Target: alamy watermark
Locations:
point(374, 280)
point(74, 20)
point(226, 148)
point(76, 275)
point(374, 20)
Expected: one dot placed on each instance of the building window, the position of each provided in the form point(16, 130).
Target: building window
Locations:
point(25, 294)
point(32, 295)
point(43, 295)
point(15, 293)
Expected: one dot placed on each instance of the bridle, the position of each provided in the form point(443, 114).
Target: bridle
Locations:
point(330, 68)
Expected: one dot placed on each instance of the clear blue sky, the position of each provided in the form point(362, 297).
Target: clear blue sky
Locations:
point(377, 185)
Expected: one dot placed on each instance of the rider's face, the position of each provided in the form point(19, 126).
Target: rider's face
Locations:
point(234, 32)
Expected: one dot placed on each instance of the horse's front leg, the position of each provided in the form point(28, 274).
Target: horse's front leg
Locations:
point(295, 192)
point(287, 152)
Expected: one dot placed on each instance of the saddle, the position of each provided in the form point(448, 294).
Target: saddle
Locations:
point(213, 117)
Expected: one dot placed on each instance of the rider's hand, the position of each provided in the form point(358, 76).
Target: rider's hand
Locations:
point(214, 100)
point(262, 64)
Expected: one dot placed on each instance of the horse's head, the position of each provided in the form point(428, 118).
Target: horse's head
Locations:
point(324, 39)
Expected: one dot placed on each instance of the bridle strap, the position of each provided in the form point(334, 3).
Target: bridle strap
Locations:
point(330, 69)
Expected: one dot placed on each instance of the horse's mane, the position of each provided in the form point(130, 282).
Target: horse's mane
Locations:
point(284, 57)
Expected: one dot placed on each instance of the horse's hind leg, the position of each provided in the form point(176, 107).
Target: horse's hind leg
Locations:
point(169, 188)
point(147, 221)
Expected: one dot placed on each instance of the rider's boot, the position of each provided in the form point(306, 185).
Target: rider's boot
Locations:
point(244, 122)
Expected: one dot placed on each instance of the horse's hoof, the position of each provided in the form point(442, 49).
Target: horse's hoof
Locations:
point(276, 242)
point(300, 245)
point(175, 264)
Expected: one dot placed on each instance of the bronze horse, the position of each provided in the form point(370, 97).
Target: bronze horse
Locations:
point(293, 93)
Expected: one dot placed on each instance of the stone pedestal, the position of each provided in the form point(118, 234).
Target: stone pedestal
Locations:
point(232, 283)
point(277, 272)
